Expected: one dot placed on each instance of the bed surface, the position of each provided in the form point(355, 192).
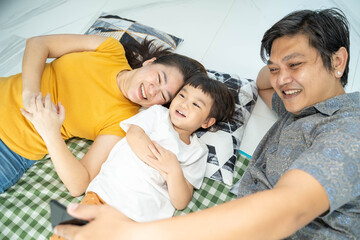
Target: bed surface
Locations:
point(223, 35)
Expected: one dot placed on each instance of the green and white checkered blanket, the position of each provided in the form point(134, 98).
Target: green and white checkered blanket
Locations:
point(24, 208)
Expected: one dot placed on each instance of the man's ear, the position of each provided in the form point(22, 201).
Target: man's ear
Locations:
point(149, 61)
point(339, 60)
point(208, 122)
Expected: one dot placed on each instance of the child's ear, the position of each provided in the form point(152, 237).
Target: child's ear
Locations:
point(208, 123)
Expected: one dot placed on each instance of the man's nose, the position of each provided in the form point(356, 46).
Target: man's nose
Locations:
point(284, 77)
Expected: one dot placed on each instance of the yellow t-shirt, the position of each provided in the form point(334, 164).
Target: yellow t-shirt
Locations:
point(85, 83)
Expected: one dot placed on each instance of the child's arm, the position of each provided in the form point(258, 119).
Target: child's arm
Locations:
point(180, 190)
point(138, 140)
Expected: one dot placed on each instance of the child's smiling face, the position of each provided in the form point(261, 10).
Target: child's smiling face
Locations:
point(190, 109)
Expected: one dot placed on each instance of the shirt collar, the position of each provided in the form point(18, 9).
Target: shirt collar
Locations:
point(331, 105)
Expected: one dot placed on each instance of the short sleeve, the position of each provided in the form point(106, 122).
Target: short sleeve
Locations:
point(145, 119)
point(278, 105)
point(111, 45)
point(194, 168)
point(333, 159)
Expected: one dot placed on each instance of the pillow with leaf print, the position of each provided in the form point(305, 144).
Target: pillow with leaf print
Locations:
point(224, 144)
point(130, 31)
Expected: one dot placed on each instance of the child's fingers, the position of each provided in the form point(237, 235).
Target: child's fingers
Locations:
point(154, 151)
point(159, 148)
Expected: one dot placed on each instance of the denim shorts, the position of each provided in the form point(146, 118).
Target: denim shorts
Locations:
point(12, 166)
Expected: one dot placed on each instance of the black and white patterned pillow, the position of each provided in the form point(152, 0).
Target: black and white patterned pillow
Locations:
point(224, 144)
point(129, 31)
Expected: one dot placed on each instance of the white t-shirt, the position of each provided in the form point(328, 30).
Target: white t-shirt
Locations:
point(136, 189)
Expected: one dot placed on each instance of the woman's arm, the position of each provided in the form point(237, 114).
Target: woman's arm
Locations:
point(76, 175)
point(38, 49)
point(265, 89)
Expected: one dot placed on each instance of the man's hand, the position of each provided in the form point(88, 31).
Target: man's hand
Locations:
point(105, 223)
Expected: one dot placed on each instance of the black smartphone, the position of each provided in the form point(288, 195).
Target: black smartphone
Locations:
point(60, 216)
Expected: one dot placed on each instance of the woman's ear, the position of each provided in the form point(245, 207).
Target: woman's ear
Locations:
point(149, 61)
point(339, 60)
point(208, 122)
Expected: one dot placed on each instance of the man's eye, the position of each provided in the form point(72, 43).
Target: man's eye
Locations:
point(273, 70)
point(295, 64)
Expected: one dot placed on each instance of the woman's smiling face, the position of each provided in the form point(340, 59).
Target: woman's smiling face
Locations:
point(298, 74)
point(153, 84)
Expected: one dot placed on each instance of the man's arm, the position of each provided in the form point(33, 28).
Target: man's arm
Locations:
point(265, 89)
point(296, 200)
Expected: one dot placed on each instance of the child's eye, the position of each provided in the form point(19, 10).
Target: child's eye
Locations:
point(196, 105)
point(181, 95)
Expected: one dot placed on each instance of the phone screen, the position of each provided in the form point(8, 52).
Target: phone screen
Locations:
point(60, 216)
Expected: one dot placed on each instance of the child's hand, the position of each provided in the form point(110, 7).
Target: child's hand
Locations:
point(165, 161)
point(46, 117)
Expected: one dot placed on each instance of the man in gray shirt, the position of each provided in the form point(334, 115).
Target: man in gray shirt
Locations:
point(314, 147)
point(303, 181)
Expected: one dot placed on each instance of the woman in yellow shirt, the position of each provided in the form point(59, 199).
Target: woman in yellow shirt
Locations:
point(98, 82)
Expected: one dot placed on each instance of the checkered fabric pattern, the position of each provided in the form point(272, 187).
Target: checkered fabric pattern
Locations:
point(25, 211)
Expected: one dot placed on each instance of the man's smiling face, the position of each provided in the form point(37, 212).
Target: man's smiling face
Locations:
point(298, 74)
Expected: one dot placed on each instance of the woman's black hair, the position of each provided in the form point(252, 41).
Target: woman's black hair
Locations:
point(138, 53)
point(326, 29)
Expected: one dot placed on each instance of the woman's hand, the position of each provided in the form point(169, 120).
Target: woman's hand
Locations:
point(165, 161)
point(28, 96)
point(46, 117)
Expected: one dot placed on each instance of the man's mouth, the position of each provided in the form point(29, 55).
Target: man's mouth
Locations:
point(143, 91)
point(291, 92)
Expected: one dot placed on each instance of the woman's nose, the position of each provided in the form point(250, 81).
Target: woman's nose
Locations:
point(153, 90)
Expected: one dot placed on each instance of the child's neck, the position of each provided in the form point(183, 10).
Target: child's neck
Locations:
point(183, 135)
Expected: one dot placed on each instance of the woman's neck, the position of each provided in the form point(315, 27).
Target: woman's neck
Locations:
point(121, 80)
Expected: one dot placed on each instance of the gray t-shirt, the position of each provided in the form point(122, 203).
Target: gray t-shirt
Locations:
point(324, 141)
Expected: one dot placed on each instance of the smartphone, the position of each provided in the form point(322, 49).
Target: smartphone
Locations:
point(59, 215)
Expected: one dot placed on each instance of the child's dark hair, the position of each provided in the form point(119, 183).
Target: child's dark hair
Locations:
point(223, 107)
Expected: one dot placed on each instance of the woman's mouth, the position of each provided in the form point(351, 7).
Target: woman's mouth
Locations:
point(142, 89)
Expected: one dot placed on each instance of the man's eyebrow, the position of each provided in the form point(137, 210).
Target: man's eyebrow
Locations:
point(287, 58)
